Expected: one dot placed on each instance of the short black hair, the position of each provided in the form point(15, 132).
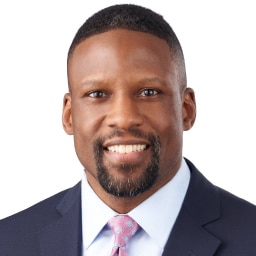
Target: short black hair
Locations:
point(136, 18)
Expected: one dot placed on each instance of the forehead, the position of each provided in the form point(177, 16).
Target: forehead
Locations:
point(121, 50)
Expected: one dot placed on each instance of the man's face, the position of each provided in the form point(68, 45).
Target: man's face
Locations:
point(126, 111)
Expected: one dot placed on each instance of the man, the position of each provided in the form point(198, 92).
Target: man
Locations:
point(127, 107)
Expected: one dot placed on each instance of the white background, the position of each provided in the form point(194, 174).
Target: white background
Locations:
point(37, 158)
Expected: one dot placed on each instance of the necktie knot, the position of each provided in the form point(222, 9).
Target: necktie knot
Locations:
point(123, 227)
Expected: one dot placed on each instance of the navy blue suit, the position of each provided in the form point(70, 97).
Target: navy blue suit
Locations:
point(212, 222)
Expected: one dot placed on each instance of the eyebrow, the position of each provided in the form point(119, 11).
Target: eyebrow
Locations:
point(90, 82)
point(152, 80)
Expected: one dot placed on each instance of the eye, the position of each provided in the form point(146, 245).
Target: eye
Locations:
point(97, 94)
point(148, 92)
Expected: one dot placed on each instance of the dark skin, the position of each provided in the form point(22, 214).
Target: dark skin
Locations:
point(124, 79)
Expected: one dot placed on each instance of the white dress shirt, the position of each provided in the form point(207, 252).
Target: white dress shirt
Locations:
point(156, 217)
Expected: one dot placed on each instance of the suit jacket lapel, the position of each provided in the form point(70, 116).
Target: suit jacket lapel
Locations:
point(201, 207)
point(63, 237)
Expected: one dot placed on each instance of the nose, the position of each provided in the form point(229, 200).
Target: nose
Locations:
point(124, 113)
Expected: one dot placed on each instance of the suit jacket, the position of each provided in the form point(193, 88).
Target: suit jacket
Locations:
point(211, 222)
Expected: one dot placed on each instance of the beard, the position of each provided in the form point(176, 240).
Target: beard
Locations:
point(128, 187)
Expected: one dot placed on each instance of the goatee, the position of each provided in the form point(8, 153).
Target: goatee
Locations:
point(129, 187)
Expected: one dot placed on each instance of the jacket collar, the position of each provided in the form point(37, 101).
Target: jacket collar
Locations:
point(63, 237)
point(201, 206)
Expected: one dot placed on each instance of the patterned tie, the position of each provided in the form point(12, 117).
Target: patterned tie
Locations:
point(123, 227)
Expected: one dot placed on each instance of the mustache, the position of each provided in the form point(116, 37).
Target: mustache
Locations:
point(153, 140)
point(131, 131)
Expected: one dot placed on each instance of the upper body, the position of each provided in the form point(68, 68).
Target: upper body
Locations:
point(211, 222)
point(127, 108)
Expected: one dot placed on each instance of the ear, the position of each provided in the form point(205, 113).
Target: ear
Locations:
point(188, 109)
point(67, 114)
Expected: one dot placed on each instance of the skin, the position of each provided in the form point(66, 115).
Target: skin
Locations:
point(125, 80)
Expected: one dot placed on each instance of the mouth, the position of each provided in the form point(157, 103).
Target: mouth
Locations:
point(129, 150)
point(126, 149)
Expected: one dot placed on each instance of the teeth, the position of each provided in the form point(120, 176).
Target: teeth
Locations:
point(125, 149)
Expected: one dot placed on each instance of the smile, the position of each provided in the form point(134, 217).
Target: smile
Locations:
point(126, 149)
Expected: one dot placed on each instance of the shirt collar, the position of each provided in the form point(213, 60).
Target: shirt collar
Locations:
point(95, 213)
point(157, 222)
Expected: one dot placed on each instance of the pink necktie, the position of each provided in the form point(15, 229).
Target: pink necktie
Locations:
point(123, 227)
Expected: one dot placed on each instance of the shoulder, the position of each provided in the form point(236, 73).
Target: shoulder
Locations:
point(30, 220)
point(202, 189)
point(236, 226)
point(225, 216)
point(237, 212)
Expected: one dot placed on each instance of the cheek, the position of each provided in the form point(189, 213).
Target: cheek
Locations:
point(171, 132)
point(171, 135)
point(168, 120)
point(86, 120)
point(171, 150)
point(85, 130)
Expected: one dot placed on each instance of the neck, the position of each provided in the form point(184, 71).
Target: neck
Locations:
point(123, 205)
